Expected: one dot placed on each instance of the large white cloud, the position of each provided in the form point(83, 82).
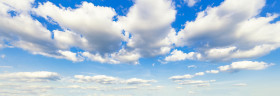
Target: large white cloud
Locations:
point(149, 23)
point(40, 76)
point(94, 23)
point(231, 30)
point(19, 29)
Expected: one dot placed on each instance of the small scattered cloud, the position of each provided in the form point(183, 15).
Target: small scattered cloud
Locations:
point(240, 84)
point(191, 3)
point(199, 74)
point(192, 66)
point(194, 82)
point(181, 77)
point(3, 56)
point(212, 71)
point(245, 65)
point(178, 55)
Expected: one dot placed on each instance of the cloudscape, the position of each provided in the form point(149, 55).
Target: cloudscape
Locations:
point(139, 47)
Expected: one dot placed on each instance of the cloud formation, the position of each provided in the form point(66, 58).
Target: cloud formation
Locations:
point(227, 32)
point(220, 33)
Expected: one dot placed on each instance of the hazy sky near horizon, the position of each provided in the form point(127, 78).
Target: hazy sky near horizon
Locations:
point(139, 47)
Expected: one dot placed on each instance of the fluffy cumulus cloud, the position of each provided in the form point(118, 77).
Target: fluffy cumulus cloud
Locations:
point(33, 36)
point(149, 23)
point(86, 26)
point(177, 55)
point(227, 32)
point(96, 24)
point(103, 79)
point(245, 65)
point(40, 76)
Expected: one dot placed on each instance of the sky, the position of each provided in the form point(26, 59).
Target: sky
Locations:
point(139, 47)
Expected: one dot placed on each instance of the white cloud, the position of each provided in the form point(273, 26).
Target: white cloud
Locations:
point(179, 77)
point(199, 74)
point(139, 81)
point(212, 71)
point(187, 76)
point(192, 66)
point(191, 2)
point(177, 55)
point(103, 79)
point(3, 56)
point(40, 76)
point(194, 82)
point(227, 32)
point(71, 56)
point(245, 65)
point(239, 84)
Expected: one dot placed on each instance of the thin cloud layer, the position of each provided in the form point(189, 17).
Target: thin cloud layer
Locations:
point(40, 76)
point(103, 79)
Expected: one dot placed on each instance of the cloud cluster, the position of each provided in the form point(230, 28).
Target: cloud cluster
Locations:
point(220, 33)
point(40, 76)
point(227, 32)
point(90, 28)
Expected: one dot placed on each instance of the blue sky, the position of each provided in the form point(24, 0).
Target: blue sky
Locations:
point(139, 47)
